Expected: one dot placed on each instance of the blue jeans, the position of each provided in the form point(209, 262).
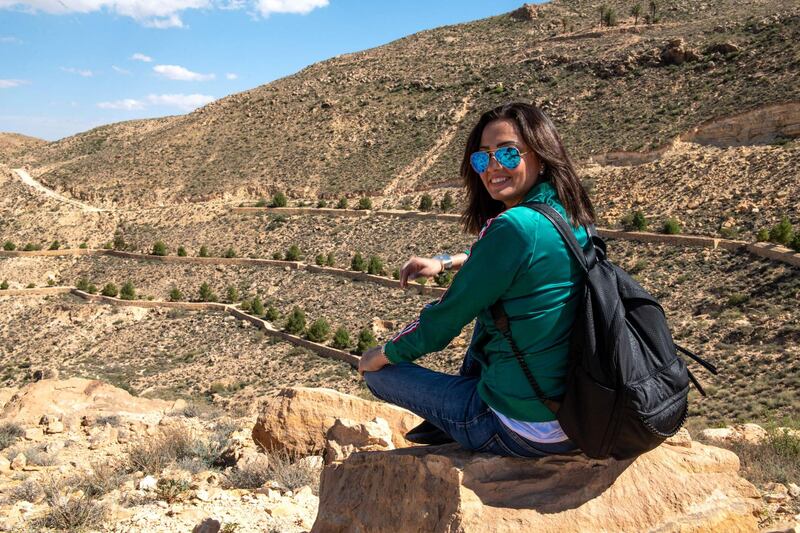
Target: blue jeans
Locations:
point(452, 404)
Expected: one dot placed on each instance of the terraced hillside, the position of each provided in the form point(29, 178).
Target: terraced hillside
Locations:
point(395, 117)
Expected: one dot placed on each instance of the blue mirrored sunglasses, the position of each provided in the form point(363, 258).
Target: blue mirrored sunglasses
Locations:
point(507, 156)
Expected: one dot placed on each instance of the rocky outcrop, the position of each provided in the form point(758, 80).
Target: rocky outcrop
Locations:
point(346, 437)
point(676, 52)
point(74, 398)
point(298, 418)
point(683, 486)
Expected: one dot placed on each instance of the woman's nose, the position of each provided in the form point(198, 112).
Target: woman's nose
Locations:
point(496, 162)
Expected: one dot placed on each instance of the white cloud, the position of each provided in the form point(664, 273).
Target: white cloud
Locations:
point(80, 72)
point(176, 72)
point(141, 57)
point(120, 70)
point(186, 102)
point(9, 84)
point(7, 39)
point(161, 13)
point(231, 76)
point(301, 7)
point(128, 104)
point(155, 13)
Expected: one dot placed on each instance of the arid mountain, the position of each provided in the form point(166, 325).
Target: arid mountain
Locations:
point(14, 144)
point(394, 118)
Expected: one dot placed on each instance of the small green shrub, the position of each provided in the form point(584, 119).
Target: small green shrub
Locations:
point(737, 299)
point(322, 203)
point(51, 282)
point(82, 285)
point(342, 204)
point(319, 330)
point(358, 263)
point(375, 266)
point(782, 232)
point(171, 490)
point(159, 248)
point(175, 295)
point(443, 279)
point(320, 260)
point(30, 247)
point(30, 286)
point(366, 340)
point(109, 289)
point(4, 285)
point(83, 246)
point(261, 203)
point(279, 200)
point(206, 294)
point(272, 313)
point(277, 256)
point(127, 291)
point(422, 281)
point(426, 202)
point(9, 246)
point(245, 306)
point(293, 253)
point(92, 289)
point(256, 306)
point(447, 202)
point(365, 203)
point(330, 260)
point(203, 251)
point(795, 244)
point(396, 273)
point(232, 294)
point(229, 253)
point(635, 221)
point(119, 242)
point(762, 235)
point(55, 245)
point(672, 227)
point(296, 323)
point(181, 251)
point(341, 339)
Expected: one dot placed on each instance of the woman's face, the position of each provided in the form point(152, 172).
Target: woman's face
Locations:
point(508, 185)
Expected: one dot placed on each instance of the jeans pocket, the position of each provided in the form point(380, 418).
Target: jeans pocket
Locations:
point(496, 446)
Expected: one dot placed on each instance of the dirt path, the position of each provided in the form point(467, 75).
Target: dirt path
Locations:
point(29, 181)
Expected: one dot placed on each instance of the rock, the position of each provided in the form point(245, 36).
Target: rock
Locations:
point(722, 48)
point(19, 462)
point(794, 490)
point(527, 12)
point(202, 495)
point(311, 461)
point(147, 483)
point(346, 437)
point(74, 398)
point(46, 420)
point(54, 447)
point(681, 438)
point(5, 465)
point(751, 433)
point(54, 427)
point(298, 418)
point(284, 509)
point(676, 53)
point(33, 434)
point(444, 488)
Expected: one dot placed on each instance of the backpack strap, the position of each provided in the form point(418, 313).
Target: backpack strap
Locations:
point(501, 323)
point(587, 257)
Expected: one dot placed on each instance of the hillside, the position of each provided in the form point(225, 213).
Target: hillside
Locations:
point(14, 144)
point(394, 118)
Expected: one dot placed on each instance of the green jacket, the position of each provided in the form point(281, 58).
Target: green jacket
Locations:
point(519, 257)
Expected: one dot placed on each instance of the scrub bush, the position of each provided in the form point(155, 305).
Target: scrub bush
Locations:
point(296, 323)
point(279, 200)
point(426, 202)
point(109, 289)
point(366, 340)
point(319, 330)
point(159, 248)
point(358, 263)
point(341, 339)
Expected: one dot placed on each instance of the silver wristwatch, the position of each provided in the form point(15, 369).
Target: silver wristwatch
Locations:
point(447, 261)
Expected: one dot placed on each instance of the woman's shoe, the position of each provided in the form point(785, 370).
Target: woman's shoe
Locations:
point(427, 433)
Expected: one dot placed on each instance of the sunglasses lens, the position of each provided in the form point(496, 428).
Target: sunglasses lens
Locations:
point(479, 161)
point(508, 156)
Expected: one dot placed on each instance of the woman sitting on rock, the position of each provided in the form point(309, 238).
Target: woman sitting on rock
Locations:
point(513, 155)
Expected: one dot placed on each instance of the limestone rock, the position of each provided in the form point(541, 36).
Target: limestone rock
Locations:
point(209, 525)
point(692, 488)
point(677, 53)
point(298, 418)
point(5, 465)
point(74, 398)
point(19, 462)
point(33, 434)
point(750, 433)
point(346, 437)
point(147, 483)
point(54, 427)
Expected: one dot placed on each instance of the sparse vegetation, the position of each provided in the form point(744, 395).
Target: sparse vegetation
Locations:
point(321, 203)
point(275, 466)
point(341, 339)
point(358, 263)
point(635, 221)
point(206, 294)
point(272, 313)
point(10, 432)
point(279, 200)
point(127, 291)
point(672, 226)
point(181, 251)
point(443, 279)
point(777, 459)
point(366, 340)
point(119, 242)
point(320, 260)
point(203, 251)
point(782, 233)
point(319, 330)
point(293, 253)
point(256, 306)
point(426, 202)
point(4, 285)
point(296, 323)
point(375, 266)
point(232, 294)
point(229, 253)
point(55, 245)
point(330, 260)
point(9, 246)
point(447, 202)
point(365, 203)
point(175, 295)
point(109, 289)
point(159, 248)
point(68, 512)
point(342, 204)
point(171, 490)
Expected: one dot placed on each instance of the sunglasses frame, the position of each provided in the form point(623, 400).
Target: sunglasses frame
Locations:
point(491, 154)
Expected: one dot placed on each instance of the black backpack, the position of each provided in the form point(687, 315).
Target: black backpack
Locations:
point(626, 387)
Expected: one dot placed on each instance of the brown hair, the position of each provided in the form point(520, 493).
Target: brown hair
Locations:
point(541, 136)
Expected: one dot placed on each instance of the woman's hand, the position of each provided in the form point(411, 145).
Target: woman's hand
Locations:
point(372, 360)
point(419, 266)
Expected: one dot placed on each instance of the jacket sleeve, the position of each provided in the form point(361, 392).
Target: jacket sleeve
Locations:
point(490, 269)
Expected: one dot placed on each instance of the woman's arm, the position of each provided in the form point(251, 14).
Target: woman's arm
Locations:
point(426, 267)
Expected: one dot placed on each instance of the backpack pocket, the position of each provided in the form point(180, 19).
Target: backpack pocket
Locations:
point(587, 413)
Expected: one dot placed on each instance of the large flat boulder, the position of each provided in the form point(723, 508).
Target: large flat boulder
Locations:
point(70, 399)
point(297, 419)
point(684, 487)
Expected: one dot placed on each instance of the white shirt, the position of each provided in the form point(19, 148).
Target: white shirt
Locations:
point(544, 432)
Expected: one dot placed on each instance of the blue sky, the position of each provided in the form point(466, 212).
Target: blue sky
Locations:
point(70, 65)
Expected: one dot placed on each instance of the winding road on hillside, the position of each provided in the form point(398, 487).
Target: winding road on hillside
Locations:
point(30, 182)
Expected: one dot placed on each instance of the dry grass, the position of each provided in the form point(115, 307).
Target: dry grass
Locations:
point(777, 459)
point(279, 467)
point(101, 479)
point(68, 512)
point(178, 444)
point(28, 491)
point(9, 433)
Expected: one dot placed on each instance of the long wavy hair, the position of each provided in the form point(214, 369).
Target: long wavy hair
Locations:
point(541, 136)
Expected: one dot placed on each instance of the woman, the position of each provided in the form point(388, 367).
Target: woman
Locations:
point(513, 155)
